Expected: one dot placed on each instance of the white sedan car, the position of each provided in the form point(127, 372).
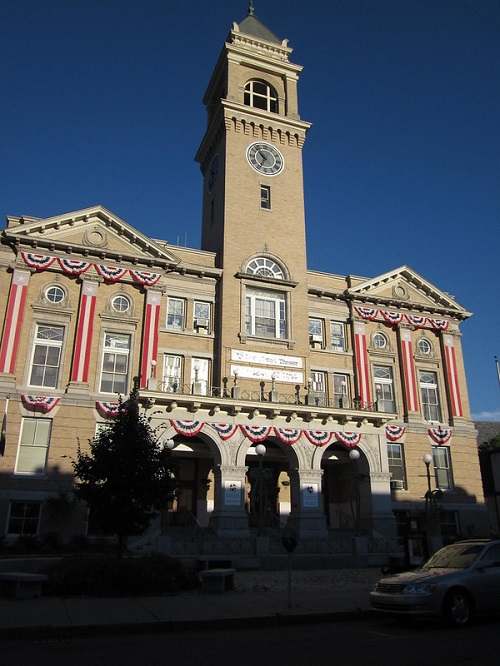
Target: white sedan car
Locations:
point(457, 582)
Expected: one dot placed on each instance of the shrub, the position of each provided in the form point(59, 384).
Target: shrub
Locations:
point(105, 576)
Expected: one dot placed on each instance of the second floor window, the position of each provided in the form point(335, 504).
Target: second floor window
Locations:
point(337, 336)
point(315, 332)
point(430, 396)
point(175, 314)
point(115, 363)
point(202, 316)
point(265, 313)
point(396, 463)
point(318, 385)
point(172, 368)
point(33, 446)
point(384, 388)
point(442, 467)
point(341, 390)
point(46, 355)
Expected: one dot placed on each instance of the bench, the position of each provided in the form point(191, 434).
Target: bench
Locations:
point(21, 585)
point(217, 580)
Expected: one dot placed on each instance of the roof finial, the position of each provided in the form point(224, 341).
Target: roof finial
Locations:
point(251, 8)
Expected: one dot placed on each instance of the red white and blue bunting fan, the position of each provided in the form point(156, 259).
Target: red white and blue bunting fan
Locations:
point(110, 273)
point(366, 313)
point(39, 403)
point(288, 435)
point(416, 320)
point(319, 437)
point(348, 438)
point(442, 324)
point(394, 432)
point(38, 261)
point(145, 278)
point(187, 428)
point(74, 266)
point(256, 433)
point(392, 317)
point(225, 430)
point(109, 409)
point(439, 435)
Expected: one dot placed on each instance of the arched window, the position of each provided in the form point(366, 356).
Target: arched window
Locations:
point(261, 95)
point(265, 267)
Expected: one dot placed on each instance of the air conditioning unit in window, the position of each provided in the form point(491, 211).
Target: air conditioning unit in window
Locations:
point(397, 484)
point(201, 323)
point(316, 339)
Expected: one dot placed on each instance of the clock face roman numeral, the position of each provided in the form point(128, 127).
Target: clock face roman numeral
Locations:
point(265, 158)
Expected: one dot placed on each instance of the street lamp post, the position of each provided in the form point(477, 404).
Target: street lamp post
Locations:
point(169, 444)
point(355, 495)
point(259, 492)
point(431, 507)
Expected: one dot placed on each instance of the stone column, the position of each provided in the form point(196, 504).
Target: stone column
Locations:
point(229, 517)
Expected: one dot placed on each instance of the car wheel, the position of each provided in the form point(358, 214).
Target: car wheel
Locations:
point(458, 608)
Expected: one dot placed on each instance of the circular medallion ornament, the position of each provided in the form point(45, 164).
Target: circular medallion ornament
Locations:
point(265, 158)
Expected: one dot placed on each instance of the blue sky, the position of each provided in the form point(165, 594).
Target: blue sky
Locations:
point(101, 104)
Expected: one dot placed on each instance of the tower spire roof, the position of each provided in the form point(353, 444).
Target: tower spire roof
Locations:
point(255, 28)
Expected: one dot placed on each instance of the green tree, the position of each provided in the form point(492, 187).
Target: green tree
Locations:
point(127, 476)
point(491, 445)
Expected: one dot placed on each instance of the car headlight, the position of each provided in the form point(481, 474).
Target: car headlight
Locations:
point(420, 588)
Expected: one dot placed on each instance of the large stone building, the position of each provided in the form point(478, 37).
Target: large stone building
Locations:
point(236, 344)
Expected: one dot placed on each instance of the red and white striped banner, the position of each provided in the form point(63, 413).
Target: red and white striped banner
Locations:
point(451, 371)
point(410, 376)
point(83, 346)
point(150, 335)
point(362, 364)
point(13, 320)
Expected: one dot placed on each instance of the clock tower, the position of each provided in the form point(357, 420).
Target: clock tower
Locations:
point(253, 201)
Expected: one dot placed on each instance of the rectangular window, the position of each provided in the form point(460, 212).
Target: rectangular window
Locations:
point(337, 336)
point(265, 314)
point(202, 317)
point(318, 386)
point(46, 357)
point(175, 314)
point(172, 369)
point(115, 361)
point(384, 388)
point(430, 396)
point(442, 468)
point(24, 518)
point(199, 372)
point(33, 446)
point(341, 390)
point(396, 465)
point(315, 332)
point(265, 197)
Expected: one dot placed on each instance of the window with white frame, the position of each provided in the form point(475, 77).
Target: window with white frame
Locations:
point(265, 267)
point(265, 313)
point(24, 518)
point(261, 95)
point(175, 314)
point(384, 388)
point(337, 336)
point(265, 197)
point(33, 446)
point(396, 464)
point(430, 396)
point(115, 362)
point(341, 390)
point(46, 359)
point(424, 346)
point(442, 467)
point(318, 386)
point(55, 294)
point(315, 331)
point(379, 340)
point(199, 372)
point(202, 316)
point(172, 372)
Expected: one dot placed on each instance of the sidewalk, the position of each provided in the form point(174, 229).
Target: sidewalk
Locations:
point(258, 598)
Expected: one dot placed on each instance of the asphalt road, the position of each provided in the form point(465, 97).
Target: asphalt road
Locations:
point(371, 642)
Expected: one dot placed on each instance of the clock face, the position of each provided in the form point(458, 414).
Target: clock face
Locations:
point(265, 158)
point(212, 174)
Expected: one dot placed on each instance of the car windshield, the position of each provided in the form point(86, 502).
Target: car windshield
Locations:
point(457, 556)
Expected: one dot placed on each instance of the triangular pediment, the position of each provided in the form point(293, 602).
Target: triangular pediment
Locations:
point(91, 232)
point(404, 288)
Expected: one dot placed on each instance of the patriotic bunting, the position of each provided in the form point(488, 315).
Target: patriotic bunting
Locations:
point(108, 409)
point(110, 273)
point(13, 320)
point(319, 437)
point(416, 321)
point(145, 278)
point(439, 323)
point(150, 336)
point(73, 266)
point(452, 374)
point(288, 435)
point(187, 428)
point(392, 317)
point(224, 430)
point(367, 313)
point(439, 435)
point(84, 332)
point(397, 317)
point(363, 369)
point(394, 432)
point(348, 438)
point(38, 261)
point(256, 433)
point(39, 403)
point(409, 372)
